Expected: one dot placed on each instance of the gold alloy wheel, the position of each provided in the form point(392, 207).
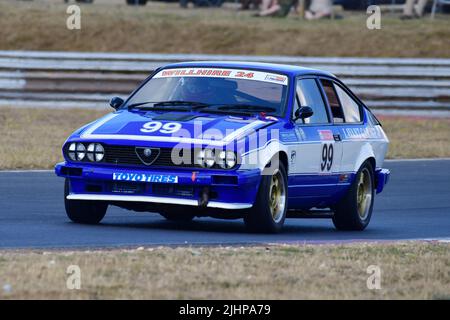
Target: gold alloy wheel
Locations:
point(277, 196)
point(364, 193)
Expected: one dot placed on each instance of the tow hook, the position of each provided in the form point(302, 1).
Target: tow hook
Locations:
point(204, 197)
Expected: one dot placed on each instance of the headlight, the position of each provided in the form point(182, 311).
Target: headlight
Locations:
point(99, 152)
point(209, 158)
point(205, 158)
point(199, 159)
point(95, 152)
point(71, 152)
point(90, 151)
point(227, 159)
point(80, 151)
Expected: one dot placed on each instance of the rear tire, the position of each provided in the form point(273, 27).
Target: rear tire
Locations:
point(354, 211)
point(85, 212)
point(269, 211)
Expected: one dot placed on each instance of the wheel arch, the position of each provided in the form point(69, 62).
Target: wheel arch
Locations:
point(372, 162)
point(281, 155)
point(260, 158)
point(284, 160)
point(366, 154)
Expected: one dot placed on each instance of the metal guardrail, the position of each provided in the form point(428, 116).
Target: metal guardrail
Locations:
point(76, 79)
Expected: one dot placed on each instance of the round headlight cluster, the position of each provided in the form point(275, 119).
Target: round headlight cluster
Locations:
point(226, 159)
point(207, 158)
point(78, 152)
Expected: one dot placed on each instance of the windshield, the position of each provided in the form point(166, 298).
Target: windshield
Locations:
point(211, 86)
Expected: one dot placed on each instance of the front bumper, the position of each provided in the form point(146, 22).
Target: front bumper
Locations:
point(225, 190)
point(382, 178)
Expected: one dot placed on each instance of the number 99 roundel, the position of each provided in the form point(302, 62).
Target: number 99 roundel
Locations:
point(153, 126)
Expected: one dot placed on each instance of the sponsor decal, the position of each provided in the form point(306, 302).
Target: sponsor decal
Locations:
point(275, 78)
point(300, 133)
point(325, 134)
point(223, 73)
point(362, 133)
point(288, 136)
point(143, 177)
point(196, 72)
point(343, 178)
point(293, 156)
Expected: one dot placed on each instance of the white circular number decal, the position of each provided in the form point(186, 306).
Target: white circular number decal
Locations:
point(153, 126)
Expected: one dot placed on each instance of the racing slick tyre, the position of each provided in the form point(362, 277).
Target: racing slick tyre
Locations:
point(86, 212)
point(269, 211)
point(354, 211)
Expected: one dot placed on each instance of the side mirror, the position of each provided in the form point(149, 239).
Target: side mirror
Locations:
point(303, 113)
point(116, 102)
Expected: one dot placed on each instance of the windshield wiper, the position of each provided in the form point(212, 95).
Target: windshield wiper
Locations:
point(247, 107)
point(159, 105)
point(181, 103)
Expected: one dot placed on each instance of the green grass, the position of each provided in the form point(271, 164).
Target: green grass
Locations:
point(411, 270)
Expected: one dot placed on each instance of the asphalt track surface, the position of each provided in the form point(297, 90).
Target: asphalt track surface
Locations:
point(415, 205)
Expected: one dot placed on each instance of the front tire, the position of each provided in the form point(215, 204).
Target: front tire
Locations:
point(85, 212)
point(354, 211)
point(269, 211)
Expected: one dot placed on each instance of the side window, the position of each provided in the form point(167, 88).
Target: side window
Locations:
point(372, 117)
point(296, 106)
point(336, 110)
point(308, 94)
point(351, 108)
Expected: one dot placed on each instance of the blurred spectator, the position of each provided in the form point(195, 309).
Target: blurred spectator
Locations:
point(268, 8)
point(250, 4)
point(319, 9)
point(201, 3)
point(276, 8)
point(413, 9)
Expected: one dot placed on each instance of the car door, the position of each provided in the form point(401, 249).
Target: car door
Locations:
point(353, 131)
point(318, 154)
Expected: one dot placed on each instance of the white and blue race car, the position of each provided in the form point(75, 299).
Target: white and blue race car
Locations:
point(262, 142)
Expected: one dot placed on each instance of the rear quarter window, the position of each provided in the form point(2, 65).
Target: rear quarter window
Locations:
point(352, 112)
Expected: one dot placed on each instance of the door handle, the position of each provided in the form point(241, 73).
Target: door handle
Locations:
point(337, 137)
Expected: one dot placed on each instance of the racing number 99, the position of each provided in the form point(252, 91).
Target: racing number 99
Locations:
point(327, 157)
point(153, 126)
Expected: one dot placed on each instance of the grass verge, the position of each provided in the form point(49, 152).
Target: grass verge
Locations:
point(417, 137)
point(408, 271)
point(163, 27)
point(32, 138)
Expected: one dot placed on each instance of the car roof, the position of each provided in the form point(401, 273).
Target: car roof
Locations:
point(258, 66)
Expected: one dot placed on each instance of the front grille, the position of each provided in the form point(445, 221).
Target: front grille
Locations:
point(126, 155)
point(159, 189)
point(127, 187)
point(173, 190)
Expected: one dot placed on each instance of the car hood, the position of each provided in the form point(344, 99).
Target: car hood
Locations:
point(174, 127)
